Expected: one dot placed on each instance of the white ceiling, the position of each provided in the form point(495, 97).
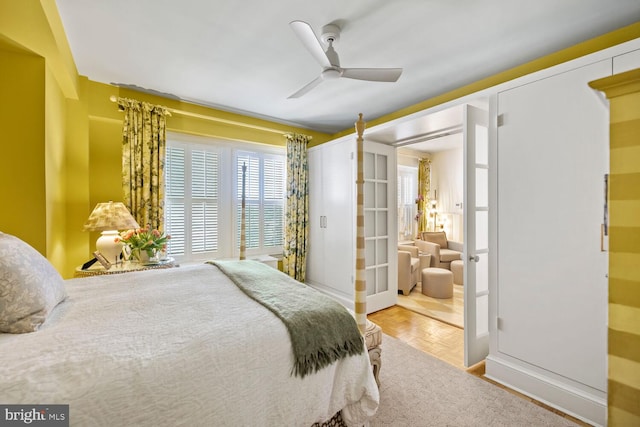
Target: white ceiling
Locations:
point(242, 55)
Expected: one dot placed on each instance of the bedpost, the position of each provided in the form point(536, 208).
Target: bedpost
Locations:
point(361, 282)
point(243, 242)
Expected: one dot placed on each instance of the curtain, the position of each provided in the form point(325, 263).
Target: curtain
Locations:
point(297, 210)
point(143, 156)
point(424, 188)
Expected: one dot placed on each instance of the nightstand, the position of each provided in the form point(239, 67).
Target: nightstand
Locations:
point(125, 267)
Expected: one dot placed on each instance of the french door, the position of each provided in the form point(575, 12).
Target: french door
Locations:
point(476, 234)
point(381, 257)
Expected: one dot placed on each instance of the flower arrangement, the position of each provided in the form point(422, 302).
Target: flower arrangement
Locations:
point(144, 240)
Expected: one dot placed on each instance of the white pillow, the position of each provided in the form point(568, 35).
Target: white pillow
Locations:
point(30, 287)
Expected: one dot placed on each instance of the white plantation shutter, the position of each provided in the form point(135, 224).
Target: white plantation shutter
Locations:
point(174, 193)
point(273, 225)
point(191, 208)
point(264, 199)
point(274, 198)
point(203, 199)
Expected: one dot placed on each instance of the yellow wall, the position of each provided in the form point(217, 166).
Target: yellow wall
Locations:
point(623, 90)
point(22, 175)
point(55, 171)
point(77, 203)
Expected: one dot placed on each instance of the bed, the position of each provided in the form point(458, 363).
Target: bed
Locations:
point(181, 346)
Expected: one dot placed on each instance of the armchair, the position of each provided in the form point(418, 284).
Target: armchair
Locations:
point(410, 265)
point(442, 251)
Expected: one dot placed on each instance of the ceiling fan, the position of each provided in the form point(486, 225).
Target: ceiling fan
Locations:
point(329, 59)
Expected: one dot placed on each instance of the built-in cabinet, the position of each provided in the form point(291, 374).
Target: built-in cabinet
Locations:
point(331, 244)
point(550, 302)
point(332, 217)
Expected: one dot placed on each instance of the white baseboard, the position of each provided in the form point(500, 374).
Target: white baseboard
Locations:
point(346, 300)
point(581, 404)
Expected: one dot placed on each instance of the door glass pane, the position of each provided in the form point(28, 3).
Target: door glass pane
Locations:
point(482, 230)
point(482, 187)
point(369, 252)
point(369, 166)
point(369, 194)
point(482, 315)
point(381, 195)
point(369, 223)
point(381, 253)
point(381, 223)
point(383, 273)
point(482, 273)
point(482, 145)
point(370, 275)
point(381, 171)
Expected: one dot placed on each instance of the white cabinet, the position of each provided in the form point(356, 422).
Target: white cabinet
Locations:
point(331, 245)
point(552, 151)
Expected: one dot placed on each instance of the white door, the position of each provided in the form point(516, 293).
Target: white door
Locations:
point(315, 244)
point(476, 235)
point(381, 257)
point(331, 250)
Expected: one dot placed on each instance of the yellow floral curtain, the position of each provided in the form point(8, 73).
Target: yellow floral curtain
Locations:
point(424, 188)
point(143, 156)
point(294, 261)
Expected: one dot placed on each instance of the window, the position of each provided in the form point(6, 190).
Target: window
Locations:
point(407, 191)
point(203, 180)
point(264, 199)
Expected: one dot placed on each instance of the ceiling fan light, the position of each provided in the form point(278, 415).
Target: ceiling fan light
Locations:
point(331, 74)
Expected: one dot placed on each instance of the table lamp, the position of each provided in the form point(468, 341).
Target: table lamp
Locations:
point(109, 218)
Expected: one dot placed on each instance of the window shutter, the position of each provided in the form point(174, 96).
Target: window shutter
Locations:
point(274, 196)
point(204, 201)
point(174, 194)
point(199, 212)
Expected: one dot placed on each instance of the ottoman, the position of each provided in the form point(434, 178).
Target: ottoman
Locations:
point(457, 268)
point(437, 282)
point(373, 339)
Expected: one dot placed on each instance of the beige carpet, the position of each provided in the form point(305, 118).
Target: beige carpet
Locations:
point(419, 390)
point(449, 310)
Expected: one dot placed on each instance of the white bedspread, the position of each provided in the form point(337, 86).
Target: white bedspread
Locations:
point(180, 346)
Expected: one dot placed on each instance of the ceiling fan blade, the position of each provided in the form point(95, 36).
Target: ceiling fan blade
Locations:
point(307, 88)
point(372, 74)
point(310, 41)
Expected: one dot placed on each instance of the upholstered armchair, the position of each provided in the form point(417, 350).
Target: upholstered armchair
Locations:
point(410, 265)
point(442, 251)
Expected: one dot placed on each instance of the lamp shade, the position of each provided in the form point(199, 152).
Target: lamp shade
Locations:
point(110, 216)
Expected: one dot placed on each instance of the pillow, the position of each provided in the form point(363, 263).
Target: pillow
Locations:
point(30, 287)
point(437, 237)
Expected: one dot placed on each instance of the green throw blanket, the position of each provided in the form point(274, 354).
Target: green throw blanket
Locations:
point(321, 330)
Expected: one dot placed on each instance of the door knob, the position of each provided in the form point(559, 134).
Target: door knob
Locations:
point(475, 258)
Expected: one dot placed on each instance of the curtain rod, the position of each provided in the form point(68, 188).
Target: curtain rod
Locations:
point(113, 98)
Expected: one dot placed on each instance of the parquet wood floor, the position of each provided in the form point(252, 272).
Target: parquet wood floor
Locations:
point(440, 340)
